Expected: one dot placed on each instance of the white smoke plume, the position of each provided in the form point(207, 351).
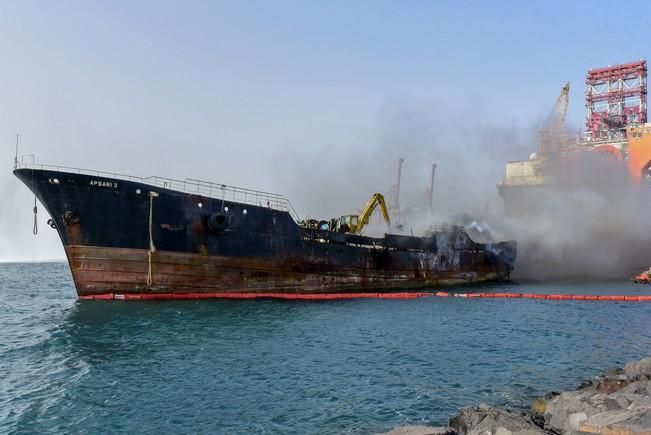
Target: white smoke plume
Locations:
point(593, 225)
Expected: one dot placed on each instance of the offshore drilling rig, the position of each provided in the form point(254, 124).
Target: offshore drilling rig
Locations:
point(616, 128)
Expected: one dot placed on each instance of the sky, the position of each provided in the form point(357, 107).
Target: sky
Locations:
point(316, 100)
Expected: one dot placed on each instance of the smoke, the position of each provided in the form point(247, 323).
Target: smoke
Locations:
point(591, 224)
point(332, 179)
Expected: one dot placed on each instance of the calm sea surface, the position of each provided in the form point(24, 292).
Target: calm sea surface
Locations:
point(355, 366)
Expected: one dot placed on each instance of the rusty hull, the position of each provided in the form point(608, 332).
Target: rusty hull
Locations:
point(99, 270)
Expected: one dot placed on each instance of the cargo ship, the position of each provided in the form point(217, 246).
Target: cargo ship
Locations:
point(126, 235)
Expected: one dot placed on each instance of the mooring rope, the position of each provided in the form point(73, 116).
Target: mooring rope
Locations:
point(35, 227)
point(152, 248)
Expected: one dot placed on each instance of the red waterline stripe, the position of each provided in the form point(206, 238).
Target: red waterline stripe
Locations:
point(241, 295)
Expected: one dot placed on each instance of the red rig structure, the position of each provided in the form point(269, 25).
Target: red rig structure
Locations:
point(616, 97)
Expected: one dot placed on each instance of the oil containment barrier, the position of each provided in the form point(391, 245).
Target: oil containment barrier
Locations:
point(338, 296)
point(556, 297)
point(236, 295)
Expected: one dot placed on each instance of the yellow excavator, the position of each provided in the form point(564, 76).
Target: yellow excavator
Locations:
point(355, 223)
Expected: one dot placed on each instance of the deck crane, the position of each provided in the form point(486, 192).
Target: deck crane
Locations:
point(554, 134)
point(354, 223)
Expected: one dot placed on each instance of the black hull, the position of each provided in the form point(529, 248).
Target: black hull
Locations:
point(125, 236)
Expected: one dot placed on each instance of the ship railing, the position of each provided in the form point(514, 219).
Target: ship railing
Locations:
point(246, 196)
point(189, 185)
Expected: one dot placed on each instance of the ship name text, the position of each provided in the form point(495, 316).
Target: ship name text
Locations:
point(100, 183)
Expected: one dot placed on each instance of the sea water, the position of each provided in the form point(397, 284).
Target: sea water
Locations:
point(270, 366)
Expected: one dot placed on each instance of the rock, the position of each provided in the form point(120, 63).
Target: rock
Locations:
point(641, 402)
point(618, 403)
point(602, 402)
point(619, 400)
point(635, 387)
point(642, 367)
point(420, 430)
point(621, 422)
point(610, 385)
point(586, 384)
point(559, 408)
point(503, 431)
point(538, 406)
point(575, 419)
point(488, 420)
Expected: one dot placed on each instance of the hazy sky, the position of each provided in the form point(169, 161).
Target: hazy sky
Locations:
point(283, 95)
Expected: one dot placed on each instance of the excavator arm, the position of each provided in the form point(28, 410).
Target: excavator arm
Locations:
point(377, 200)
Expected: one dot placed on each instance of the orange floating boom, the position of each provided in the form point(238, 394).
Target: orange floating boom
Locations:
point(338, 296)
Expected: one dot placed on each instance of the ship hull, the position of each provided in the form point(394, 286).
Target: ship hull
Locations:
point(117, 270)
point(128, 237)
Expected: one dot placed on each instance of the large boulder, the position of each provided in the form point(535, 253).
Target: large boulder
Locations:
point(488, 420)
point(635, 387)
point(617, 403)
point(619, 422)
point(582, 403)
point(614, 404)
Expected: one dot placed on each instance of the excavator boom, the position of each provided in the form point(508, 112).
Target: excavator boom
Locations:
point(376, 200)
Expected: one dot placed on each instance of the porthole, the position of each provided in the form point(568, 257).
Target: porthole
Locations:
point(138, 191)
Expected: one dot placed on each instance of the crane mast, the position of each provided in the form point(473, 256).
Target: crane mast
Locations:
point(554, 134)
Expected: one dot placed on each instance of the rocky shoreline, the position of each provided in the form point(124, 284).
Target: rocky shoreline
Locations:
point(615, 403)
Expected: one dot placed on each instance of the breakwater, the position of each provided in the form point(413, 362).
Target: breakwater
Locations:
point(617, 402)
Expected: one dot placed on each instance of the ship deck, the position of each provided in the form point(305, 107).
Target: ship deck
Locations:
point(190, 186)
